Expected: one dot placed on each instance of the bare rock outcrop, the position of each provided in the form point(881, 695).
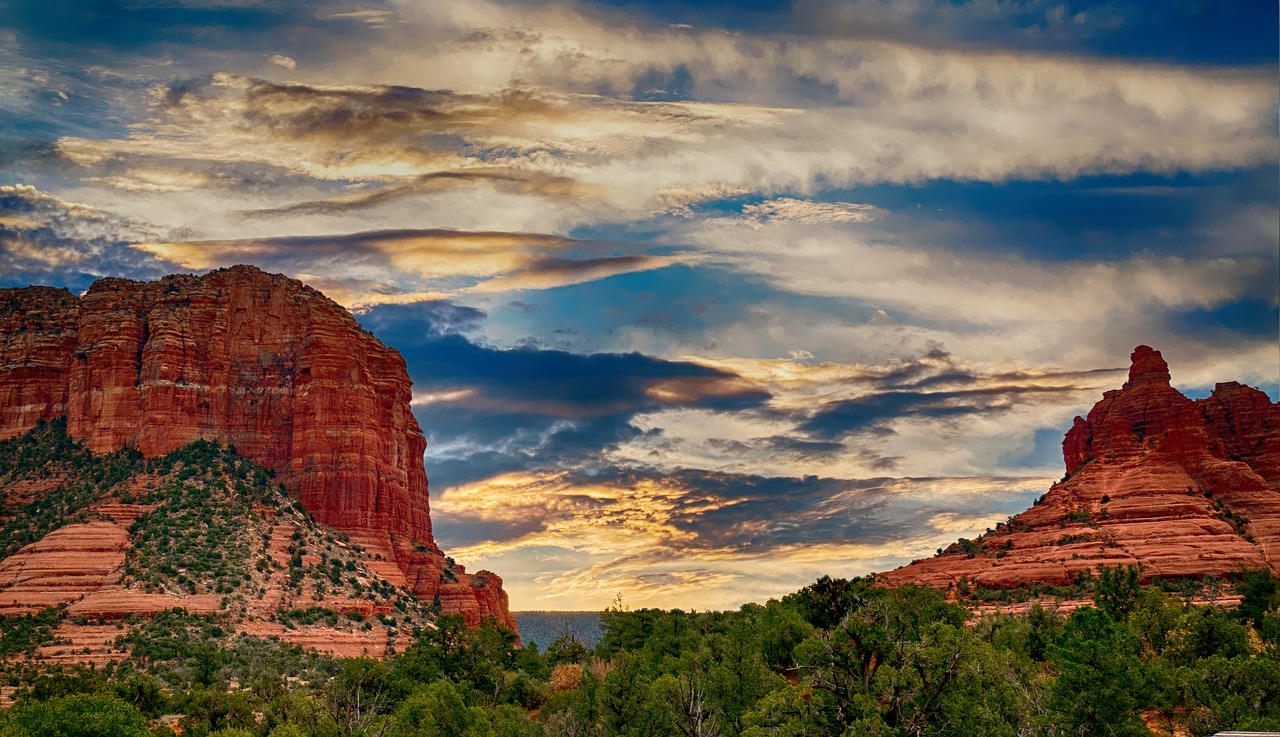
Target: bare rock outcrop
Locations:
point(1183, 488)
point(252, 360)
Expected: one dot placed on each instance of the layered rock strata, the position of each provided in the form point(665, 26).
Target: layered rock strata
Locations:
point(257, 361)
point(1183, 488)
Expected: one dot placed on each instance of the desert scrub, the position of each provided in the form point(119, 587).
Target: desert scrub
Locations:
point(80, 480)
point(178, 647)
point(22, 634)
point(203, 533)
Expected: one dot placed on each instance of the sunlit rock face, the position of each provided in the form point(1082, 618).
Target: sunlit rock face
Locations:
point(37, 342)
point(1184, 488)
point(249, 359)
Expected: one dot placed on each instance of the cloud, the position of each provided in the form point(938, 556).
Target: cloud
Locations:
point(487, 409)
point(370, 17)
point(286, 62)
point(923, 415)
point(971, 117)
point(873, 413)
point(941, 285)
point(429, 253)
point(552, 272)
point(361, 269)
point(732, 535)
point(45, 239)
point(507, 180)
point(791, 210)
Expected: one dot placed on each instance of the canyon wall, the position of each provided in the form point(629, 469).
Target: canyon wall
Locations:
point(249, 359)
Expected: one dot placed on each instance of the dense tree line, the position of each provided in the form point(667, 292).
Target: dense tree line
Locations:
point(838, 657)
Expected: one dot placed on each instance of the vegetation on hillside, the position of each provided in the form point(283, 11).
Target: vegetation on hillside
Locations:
point(838, 657)
point(207, 523)
point(60, 479)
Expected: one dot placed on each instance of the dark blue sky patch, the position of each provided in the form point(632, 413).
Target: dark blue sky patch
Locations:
point(1185, 31)
point(681, 303)
point(125, 25)
point(1200, 392)
point(1247, 318)
point(459, 530)
point(420, 322)
point(1106, 217)
point(873, 411)
point(531, 408)
point(482, 445)
point(562, 384)
point(1194, 31)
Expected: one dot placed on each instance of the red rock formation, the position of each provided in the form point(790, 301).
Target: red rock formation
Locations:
point(37, 339)
point(249, 359)
point(263, 363)
point(1184, 488)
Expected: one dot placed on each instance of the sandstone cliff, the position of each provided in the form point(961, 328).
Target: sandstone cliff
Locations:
point(252, 360)
point(1184, 488)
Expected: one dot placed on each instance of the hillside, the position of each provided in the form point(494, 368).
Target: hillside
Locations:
point(1181, 488)
point(110, 541)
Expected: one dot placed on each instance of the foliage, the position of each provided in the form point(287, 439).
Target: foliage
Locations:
point(74, 477)
point(80, 715)
point(22, 634)
point(838, 657)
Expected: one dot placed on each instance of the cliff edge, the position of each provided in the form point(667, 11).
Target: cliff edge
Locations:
point(252, 360)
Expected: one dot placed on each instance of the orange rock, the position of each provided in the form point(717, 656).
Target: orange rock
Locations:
point(371, 643)
point(66, 565)
point(1184, 488)
point(249, 359)
point(37, 340)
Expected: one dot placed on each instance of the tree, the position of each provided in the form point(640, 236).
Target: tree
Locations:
point(210, 709)
point(1233, 693)
point(144, 692)
point(1209, 631)
point(80, 715)
point(437, 710)
point(824, 602)
point(1100, 683)
point(793, 711)
point(1115, 591)
point(781, 630)
point(357, 696)
point(624, 698)
point(1260, 593)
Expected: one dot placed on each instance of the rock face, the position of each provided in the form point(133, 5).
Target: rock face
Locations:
point(1184, 488)
point(249, 359)
point(37, 341)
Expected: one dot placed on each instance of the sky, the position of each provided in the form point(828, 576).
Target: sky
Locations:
point(701, 300)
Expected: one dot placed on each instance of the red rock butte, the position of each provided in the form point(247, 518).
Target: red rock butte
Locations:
point(249, 359)
point(1183, 488)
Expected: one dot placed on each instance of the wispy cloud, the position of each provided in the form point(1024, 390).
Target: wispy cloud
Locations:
point(362, 267)
point(45, 238)
point(679, 283)
point(987, 118)
point(655, 536)
point(791, 210)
